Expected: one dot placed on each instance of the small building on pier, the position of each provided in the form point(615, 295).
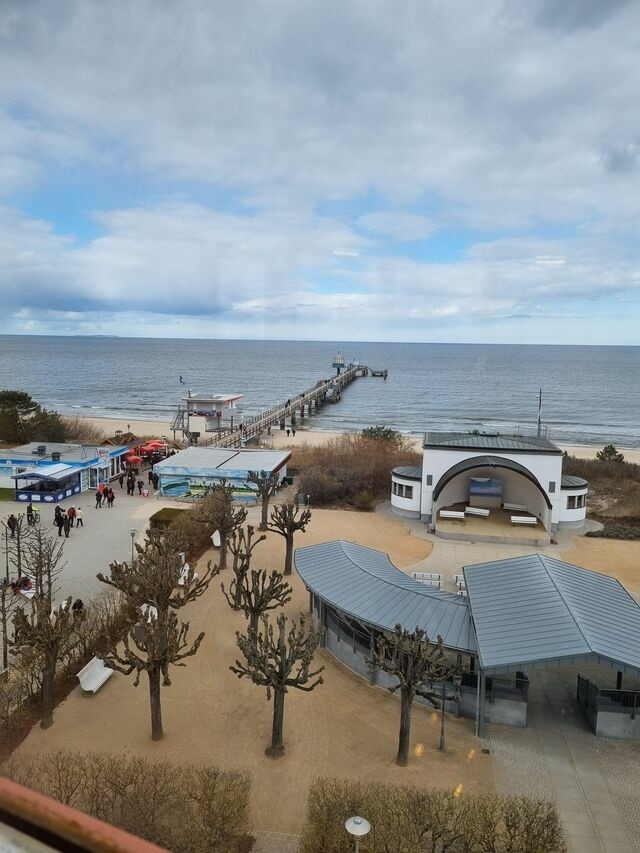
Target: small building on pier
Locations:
point(199, 414)
point(194, 470)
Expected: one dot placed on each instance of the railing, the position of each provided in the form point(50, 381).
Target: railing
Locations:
point(500, 688)
point(591, 697)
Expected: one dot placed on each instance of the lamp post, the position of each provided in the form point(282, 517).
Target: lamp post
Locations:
point(6, 552)
point(357, 826)
point(132, 533)
point(457, 681)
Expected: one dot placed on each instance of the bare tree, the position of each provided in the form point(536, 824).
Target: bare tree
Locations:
point(152, 646)
point(241, 546)
point(256, 593)
point(218, 513)
point(8, 602)
point(266, 483)
point(286, 520)
point(279, 662)
point(416, 663)
point(39, 555)
point(49, 633)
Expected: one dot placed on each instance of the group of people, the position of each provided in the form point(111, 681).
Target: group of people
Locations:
point(66, 520)
point(132, 482)
point(104, 494)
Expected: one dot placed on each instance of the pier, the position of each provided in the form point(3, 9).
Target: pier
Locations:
point(295, 410)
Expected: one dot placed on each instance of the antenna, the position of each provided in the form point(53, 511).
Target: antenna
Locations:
point(539, 412)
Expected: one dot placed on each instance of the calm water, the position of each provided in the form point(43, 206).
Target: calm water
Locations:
point(590, 394)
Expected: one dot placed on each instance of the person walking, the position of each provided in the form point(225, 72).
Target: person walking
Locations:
point(98, 499)
point(140, 486)
point(121, 479)
point(66, 523)
point(156, 480)
point(110, 498)
point(150, 476)
point(12, 524)
point(60, 523)
point(71, 512)
point(79, 521)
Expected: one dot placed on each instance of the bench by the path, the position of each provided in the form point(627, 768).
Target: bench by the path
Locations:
point(93, 675)
point(452, 514)
point(523, 519)
point(426, 576)
point(516, 507)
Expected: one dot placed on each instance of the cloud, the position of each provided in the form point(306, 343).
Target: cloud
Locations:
point(399, 226)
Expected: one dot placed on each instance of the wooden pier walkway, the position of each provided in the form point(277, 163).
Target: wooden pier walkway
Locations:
point(294, 410)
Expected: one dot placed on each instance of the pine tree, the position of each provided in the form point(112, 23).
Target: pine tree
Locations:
point(279, 662)
point(266, 483)
point(286, 520)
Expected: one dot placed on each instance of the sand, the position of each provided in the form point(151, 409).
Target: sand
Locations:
point(344, 727)
point(278, 440)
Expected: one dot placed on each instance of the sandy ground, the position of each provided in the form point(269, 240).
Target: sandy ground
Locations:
point(279, 439)
point(344, 727)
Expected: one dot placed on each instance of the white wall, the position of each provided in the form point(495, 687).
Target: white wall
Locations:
point(573, 517)
point(544, 467)
point(408, 506)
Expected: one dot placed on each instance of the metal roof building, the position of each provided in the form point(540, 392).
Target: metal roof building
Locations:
point(471, 441)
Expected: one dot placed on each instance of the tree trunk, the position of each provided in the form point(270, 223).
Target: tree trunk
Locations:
point(277, 746)
point(5, 633)
point(154, 697)
point(265, 512)
point(288, 554)
point(237, 596)
point(48, 683)
point(405, 728)
point(223, 551)
point(253, 621)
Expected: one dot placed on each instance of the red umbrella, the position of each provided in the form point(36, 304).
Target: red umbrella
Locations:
point(134, 458)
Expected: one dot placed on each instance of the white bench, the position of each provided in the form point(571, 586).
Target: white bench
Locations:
point(461, 585)
point(449, 513)
point(435, 583)
point(523, 519)
point(477, 510)
point(93, 675)
point(426, 576)
point(516, 507)
point(458, 578)
point(462, 592)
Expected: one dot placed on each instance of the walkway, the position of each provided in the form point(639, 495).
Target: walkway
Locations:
point(594, 782)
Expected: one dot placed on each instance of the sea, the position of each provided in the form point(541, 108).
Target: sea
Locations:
point(590, 394)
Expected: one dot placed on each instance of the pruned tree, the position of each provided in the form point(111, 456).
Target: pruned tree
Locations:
point(416, 663)
point(158, 576)
point(39, 555)
point(279, 661)
point(241, 546)
point(153, 645)
point(256, 593)
point(8, 603)
point(218, 513)
point(48, 633)
point(287, 519)
point(266, 483)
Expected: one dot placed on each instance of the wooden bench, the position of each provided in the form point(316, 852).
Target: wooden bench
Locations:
point(523, 519)
point(93, 675)
point(428, 576)
point(449, 513)
point(516, 507)
point(476, 510)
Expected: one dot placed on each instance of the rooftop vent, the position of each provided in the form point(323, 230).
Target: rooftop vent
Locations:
point(55, 456)
point(42, 449)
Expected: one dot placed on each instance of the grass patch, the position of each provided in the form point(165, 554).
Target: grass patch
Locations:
point(7, 494)
point(614, 489)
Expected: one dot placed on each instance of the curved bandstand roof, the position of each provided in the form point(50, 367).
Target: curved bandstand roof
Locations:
point(364, 584)
point(536, 611)
point(488, 462)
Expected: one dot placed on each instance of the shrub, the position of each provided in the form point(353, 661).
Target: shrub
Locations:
point(609, 453)
point(616, 531)
point(419, 820)
point(183, 808)
point(364, 501)
point(164, 517)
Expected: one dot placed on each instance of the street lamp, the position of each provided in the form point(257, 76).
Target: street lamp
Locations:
point(132, 533)
point(357, 826)
point(457, 681)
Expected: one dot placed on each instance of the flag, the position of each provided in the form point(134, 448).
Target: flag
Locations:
point(182, 382)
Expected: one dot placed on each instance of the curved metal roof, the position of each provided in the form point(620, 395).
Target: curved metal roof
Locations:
point(495, 441)
point(364, 584)
point(570, 482)
point(536, 610)
point(409, 472)
point(488, 462)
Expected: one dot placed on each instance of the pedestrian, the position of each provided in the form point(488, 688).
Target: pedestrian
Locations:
point(110, 498)
point(293, 431)
point(67, 525)
point(156, 480)
point(121, 479)
point(79, 521)
point(98, 499)
point(12, 524)
point(140, 486)
point(150, 476)
point(60, 523)
point(288, 433)
point(71, 512)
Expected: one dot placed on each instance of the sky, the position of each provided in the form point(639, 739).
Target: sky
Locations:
point(344, 170)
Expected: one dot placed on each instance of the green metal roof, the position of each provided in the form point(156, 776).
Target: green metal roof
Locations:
point(569, 482)
point(409, 472)
point(472, 441)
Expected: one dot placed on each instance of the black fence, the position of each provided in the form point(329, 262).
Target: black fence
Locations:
point(500, 688)
point(592, 698)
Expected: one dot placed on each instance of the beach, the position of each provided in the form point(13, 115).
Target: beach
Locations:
point(278, 440)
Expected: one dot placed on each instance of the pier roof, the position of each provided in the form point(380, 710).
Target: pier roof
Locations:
point(472, 441)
